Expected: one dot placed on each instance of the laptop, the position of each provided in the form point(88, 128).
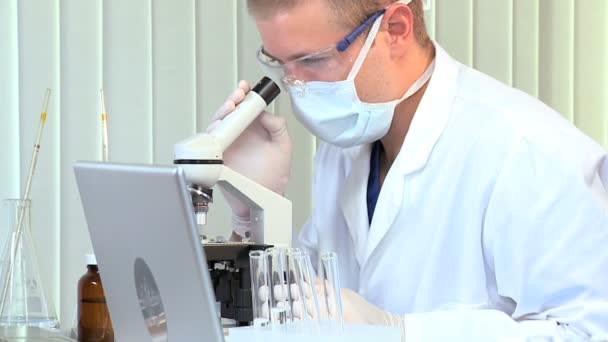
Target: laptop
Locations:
point(150, 258)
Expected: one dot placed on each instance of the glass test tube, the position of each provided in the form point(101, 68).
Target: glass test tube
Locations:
point(259, 288)
point(330, 276)
point(305, 301)
point(280, 302)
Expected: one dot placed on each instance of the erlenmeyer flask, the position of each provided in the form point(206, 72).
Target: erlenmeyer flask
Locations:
point(22, 298)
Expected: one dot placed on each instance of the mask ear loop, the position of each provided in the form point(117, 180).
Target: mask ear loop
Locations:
point(426, 4)
point(366, 47)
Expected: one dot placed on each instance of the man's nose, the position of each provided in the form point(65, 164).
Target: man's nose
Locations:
point(290, 70)
point(293, 71)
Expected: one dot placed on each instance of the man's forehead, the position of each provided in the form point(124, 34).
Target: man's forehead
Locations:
point(299, 31)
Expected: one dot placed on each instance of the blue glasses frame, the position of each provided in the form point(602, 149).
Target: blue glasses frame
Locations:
point(351, 37)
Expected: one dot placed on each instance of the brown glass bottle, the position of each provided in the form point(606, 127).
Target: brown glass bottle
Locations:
point(94, 324)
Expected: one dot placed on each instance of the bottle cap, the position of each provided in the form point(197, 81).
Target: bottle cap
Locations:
point(91, 260)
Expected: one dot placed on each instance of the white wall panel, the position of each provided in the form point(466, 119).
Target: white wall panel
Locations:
point(526, 37)
point(591, 68)
point(39, 67)
point(174, 75)
point(454, 26)
point(299, 189)
point(556, 23)
point(217, 55)
point(248, 42)
point(127, 79)
point(9, 101)
point(493, 43)
point(81, 80)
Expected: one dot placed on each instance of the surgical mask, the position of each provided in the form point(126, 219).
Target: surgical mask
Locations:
point(334, 112)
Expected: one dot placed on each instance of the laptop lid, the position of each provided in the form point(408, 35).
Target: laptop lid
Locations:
point(151, 261)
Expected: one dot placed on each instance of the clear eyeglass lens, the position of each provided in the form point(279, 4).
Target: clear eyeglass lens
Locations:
point(269, 61)
point(326, 65)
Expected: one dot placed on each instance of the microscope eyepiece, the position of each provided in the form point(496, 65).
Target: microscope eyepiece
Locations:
point(267, 89)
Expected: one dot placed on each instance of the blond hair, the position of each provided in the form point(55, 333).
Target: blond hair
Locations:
point(348, 13)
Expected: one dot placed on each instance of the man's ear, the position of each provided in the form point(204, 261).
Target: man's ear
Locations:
point(399, 24)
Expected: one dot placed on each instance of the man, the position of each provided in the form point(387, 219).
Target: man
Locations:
point(438, 187)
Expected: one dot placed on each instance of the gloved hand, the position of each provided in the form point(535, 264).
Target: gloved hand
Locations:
point(357, 310)
point(262, 153)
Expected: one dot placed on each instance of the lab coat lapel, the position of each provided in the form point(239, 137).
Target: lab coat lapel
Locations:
point(387, 208)
point(353, 200)
point(428, 124)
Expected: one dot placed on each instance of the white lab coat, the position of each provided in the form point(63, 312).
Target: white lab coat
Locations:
point(495, 201)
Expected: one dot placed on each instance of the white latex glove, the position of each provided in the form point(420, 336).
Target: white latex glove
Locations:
point(262, 153)
point(357, 310)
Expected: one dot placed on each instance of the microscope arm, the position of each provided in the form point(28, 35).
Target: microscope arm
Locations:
point(271, 213)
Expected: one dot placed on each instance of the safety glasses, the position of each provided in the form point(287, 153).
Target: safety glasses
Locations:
point(318, 64)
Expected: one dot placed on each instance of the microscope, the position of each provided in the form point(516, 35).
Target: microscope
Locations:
point(200, 156)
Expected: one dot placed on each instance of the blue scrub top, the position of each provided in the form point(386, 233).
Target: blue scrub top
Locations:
point(373, 182)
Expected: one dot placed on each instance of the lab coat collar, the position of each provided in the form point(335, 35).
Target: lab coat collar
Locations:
point(425, 130)
point(432, 114)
